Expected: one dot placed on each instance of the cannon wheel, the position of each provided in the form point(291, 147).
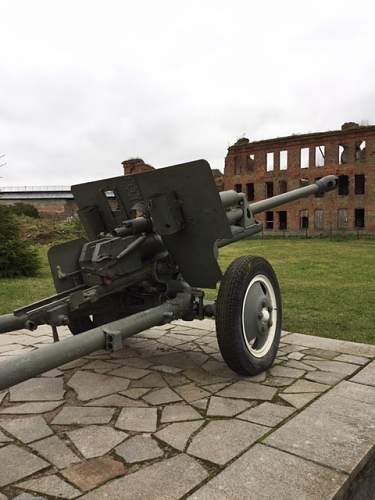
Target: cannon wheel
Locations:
point(249, 315)
point(80, 324)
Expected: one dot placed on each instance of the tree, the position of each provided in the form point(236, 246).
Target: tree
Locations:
point(25, 209)
point(17, 257)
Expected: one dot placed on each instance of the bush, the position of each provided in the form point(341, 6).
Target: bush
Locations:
point(49, 230)
point(25, 209)
point(71, 229)
point(17, 258)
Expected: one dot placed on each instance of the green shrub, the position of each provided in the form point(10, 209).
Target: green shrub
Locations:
point(17, 258)
point(71, 229)
point(25, 209)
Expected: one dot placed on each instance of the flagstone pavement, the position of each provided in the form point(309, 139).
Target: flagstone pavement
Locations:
point(165, 418)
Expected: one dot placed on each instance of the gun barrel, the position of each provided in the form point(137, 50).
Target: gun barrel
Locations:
point(322, 185)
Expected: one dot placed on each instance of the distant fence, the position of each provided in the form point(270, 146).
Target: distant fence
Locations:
point(27, 189)
point(306, 234)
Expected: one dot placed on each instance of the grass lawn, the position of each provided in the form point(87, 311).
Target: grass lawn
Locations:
point(328, 287)
point(17, 292)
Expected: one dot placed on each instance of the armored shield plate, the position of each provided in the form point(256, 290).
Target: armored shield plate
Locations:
point(64, 262)
point(106, 203)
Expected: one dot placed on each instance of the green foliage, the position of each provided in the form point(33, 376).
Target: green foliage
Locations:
point(25, 209)
point(70, 229)
point(9, 229)
point(17, 258)
point(49, 230)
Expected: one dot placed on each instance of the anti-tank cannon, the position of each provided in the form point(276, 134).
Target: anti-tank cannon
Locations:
point(152, 245)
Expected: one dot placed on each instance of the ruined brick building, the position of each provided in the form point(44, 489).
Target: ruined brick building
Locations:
point(138, 166)
point(269, 167)
point(135, 166)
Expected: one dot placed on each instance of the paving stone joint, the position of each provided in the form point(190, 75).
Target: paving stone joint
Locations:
point(165, 416)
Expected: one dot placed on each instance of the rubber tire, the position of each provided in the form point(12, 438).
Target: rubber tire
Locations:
point(229, 302)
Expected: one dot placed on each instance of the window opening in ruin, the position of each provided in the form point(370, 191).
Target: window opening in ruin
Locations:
point(304, 219)
point(283, 160)
point(360, 151)
point(238, 188)
point(320, 155)
point(270, 162)
point(343, 154)
point(283, 220)
point(359, 184)
point(359, 218)
point(319, 219)
point(250, 191)
point(269, 220)
point(343, 185)
point(342, 218)
point(304, 157)
point(283, 187)
point(250, 163)
point(269, 189)
point(237, 165)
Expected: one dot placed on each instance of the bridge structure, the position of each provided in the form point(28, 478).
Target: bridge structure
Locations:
point(51, 201)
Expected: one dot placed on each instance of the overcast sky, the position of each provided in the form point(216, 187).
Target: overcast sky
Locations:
point(85, 85)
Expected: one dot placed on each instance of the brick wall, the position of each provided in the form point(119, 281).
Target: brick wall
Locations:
point(138, 166)
point(48, 207)
point(135, 166)
point(347, 152)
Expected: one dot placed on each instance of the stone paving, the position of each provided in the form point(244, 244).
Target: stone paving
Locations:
point(165, 418)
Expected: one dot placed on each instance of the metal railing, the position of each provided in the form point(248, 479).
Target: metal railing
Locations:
point(27, 189)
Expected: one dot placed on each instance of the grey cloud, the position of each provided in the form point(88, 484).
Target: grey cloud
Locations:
point(85, 85)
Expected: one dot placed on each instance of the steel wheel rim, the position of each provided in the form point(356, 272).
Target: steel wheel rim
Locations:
point(261, 345)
